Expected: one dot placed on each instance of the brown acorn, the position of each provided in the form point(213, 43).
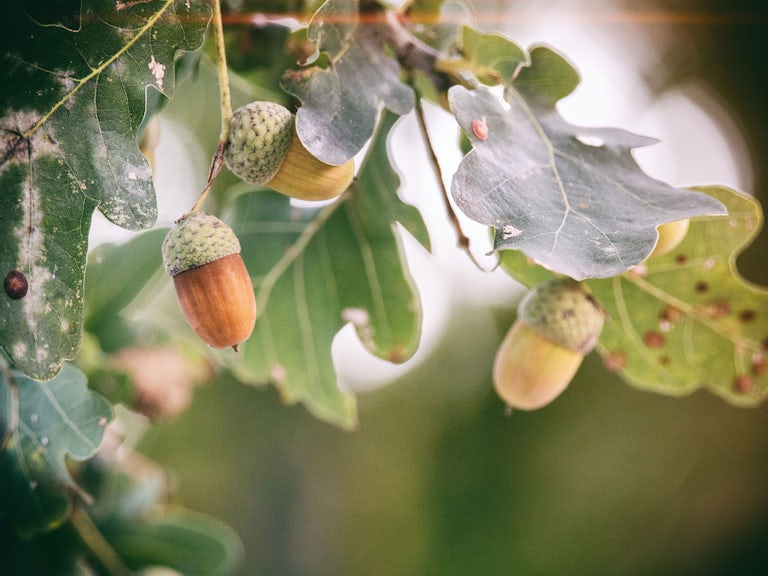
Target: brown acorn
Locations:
point(558, 322)
point(263, 149)
point(202, 254)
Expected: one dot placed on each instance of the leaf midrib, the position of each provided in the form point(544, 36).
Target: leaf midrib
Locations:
point(98, 70)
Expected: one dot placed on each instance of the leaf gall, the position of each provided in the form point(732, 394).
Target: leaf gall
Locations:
point(16, 285)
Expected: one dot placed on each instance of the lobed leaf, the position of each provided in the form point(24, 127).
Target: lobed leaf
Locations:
point(492, 58)
point(686, 320)
point(318, 270)
point(340, 101)
point(43, 423)
point(69, 118)
point(571, 198)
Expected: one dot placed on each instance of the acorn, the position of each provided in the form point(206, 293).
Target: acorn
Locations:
point(557, 324)
point(670, 236)
point(202, 254)
point(264, 149)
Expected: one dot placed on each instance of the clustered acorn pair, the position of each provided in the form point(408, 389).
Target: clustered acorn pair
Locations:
point(202, 254)
point(558, 323)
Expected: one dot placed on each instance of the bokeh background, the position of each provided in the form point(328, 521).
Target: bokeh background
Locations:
point(437, 479)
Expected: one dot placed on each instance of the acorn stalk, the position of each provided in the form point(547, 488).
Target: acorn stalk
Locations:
point(215, 291)
point(558, 323)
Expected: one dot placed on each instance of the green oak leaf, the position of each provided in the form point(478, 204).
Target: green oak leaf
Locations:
point(194, 544)
point(318, 270)
point(686, 320)
point(43, 423)
point(69, 118)
point(492, 58)
point(340, 101)
point(116, 273)
point(133, 512)
point(571, 198)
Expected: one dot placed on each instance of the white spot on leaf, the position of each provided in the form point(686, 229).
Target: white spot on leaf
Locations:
point(509, 231)
point(356, 316)
point(158, 71)
point(593, 141)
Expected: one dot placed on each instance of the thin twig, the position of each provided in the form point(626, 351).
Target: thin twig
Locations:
point(93, 538)
point(462, 240)
point(13, 390)
point(225, 104)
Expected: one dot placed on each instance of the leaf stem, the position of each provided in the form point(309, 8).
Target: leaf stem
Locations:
point(225, 104)
point(462, 240)
point(96, 543)
point(297, 248)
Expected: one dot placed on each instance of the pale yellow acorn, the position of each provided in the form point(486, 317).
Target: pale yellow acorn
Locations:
point(215, 291)
point(557, 324)
point(263, 149)
point(670, 236)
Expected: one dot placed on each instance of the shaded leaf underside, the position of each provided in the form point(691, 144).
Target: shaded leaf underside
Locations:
point(340, 102)
point(571, 198)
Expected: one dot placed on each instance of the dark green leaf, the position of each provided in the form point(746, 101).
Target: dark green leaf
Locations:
point(192, 543)
point(493, 58)
point(116, 274)
point(686, 320)
point(573, 199)
point(73, 98)
point(317, 270)
point(43, 423)
point(340, 101)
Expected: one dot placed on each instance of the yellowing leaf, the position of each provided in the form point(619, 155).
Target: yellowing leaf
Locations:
point(686, 320)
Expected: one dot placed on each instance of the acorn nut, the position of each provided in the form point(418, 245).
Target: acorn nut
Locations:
point(263, 149)
point(670, 236)
point(202, 254)
point(557, 324)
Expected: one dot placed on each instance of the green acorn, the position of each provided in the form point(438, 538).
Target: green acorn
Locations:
point(263, 149)
point(202, 254)
point(259, 137)
point(557, 324)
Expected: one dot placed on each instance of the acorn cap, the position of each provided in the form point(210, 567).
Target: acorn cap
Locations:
point(197, 239)
point(259, 137)
point(564, 312)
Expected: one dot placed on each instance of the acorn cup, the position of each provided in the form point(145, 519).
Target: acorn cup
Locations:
point(557, 324)
point(202, 254)
point(263, 149)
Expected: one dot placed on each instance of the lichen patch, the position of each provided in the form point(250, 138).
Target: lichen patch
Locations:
point(158, 71)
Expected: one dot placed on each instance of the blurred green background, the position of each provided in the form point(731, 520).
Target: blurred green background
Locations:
point(437, 480)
